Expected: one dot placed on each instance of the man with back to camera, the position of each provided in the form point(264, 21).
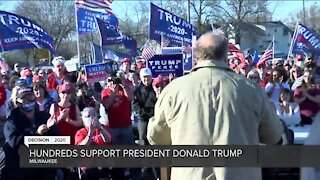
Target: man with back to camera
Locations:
point(213, 106)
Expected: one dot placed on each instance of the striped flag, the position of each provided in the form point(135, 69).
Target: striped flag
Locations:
point(268, 54)
point(96, 4)
point(148, 52)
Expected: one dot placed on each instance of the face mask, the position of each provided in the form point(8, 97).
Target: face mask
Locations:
point(300, 63)
point(29, 80)
point(28, 106)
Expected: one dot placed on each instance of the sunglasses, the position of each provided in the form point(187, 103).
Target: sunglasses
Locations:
point(110, 80)
point(65, 92)
point(253, 77)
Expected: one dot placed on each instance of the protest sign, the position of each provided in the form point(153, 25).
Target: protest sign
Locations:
point(71, 65)
point(187, 55)
point(18, 32)
point(87, 20)
point(165, 64)
point(96, 72)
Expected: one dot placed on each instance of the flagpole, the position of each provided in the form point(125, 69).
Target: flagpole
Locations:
point(293, 39)
point(161, 43)
point(273, 47)
point(78, 40)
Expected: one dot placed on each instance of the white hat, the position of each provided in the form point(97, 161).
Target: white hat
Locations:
point(58, 60)
point(145, 72)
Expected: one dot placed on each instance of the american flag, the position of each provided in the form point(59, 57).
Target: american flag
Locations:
point(96, 4)
point(268, 53)
point(148, 52)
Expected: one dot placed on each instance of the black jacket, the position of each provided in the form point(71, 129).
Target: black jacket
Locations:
point(144, 102)
point(17, 126)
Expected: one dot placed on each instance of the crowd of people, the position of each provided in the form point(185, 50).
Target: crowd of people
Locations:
point(197, 109)
point(57, 102)
point(291, 86)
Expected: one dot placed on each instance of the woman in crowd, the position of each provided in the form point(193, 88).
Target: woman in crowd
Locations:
point(308, 97)
point(43, 99)
point(294, 75)
point(287, 110)
point(277, 82)
point(65, 113)
point(93, 133)
point(25, 120)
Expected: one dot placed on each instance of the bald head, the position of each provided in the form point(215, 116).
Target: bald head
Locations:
point(211, 46)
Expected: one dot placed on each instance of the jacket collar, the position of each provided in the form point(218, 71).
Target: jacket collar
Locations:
point(211, 64)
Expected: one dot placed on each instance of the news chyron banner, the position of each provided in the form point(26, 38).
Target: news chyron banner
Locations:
point(166, 64)
point(18, 32)
point(55, 152)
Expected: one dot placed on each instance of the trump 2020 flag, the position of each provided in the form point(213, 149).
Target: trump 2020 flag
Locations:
point(110, 35)
point(18, 32)
point(306, 41)
point(169, 25)
point(87, 20)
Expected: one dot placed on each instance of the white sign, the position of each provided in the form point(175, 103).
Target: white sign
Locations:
point(71, 65)
point(46, 140)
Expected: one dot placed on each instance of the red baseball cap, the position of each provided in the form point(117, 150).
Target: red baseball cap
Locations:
point(299, 58)
point(158, 81)
point(125, 60)
point(140, 65)
point(65, 88)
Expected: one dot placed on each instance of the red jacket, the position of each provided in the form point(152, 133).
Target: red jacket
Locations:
point(52, 82)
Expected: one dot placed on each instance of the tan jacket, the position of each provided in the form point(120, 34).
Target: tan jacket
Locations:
point(214, 106)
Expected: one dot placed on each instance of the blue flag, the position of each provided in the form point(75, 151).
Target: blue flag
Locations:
point(110, 35)
point(87, 20)
point(306, 41)
point(130, 44)
point(255, 57)
point(18, 32)
point(163, 22)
